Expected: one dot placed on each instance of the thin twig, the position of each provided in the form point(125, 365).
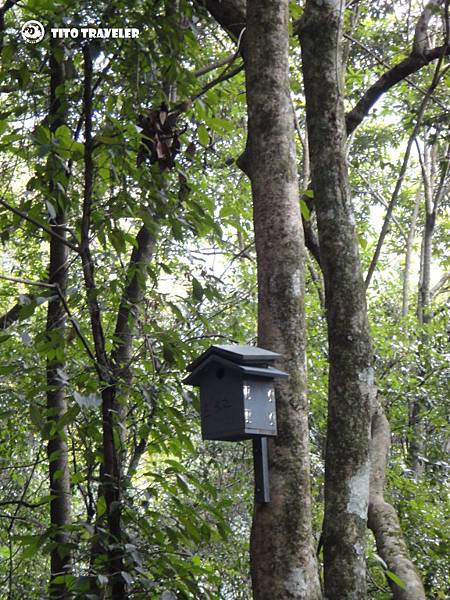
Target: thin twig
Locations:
point(215, 65)
point(438, 74)
point(56, 287)
point(45, 228)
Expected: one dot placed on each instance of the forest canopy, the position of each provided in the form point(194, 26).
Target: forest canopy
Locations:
point(271, 174)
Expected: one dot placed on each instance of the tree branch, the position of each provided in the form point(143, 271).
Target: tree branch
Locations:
point(86, 257)
point(408, 66)
point(311, 239)
point(385, 64)
point(420, 56)
point(227, 74)
point(215, 65)
point(395, 194)
point(439, 285)
point(383, 202)
point(131, 298)
point(231, 15)
point(12, 315)
point(42, 226)
point(28, 281)
point(23, 503)
point(52, 286)
point(8, 5)
point(383, 519)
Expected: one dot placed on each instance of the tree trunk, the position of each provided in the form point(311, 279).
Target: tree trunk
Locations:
point(428, 173)
point(350, 354)
point(433, 196)
point(59, 475)
point(408, 255)
point(283, 562)
point(383, 519)
point(111, 467)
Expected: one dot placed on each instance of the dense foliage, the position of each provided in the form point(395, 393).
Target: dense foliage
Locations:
point(187, 503)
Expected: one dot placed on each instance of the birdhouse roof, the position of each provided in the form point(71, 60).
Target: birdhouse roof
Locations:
point(256, 370)
point(243, 355)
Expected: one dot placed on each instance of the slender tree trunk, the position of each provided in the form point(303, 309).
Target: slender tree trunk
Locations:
point(433, 197)
point(416, 424)
point(383, 519)
point(351, 372)
point(438, 73)
point(111, 468)
point(428, 172)
point(114, 370)
point(408, 254)
point(121, 355)
point(283, 562)
point(60, 505)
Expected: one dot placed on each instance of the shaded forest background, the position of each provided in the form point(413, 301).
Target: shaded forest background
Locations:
point(128, 248)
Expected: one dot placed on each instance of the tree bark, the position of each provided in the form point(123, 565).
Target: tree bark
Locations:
point(350, 354)
point(408, 255)
point(111, 468)
point(283, 562)
point(428, 175)
point(433, 195)
point(57, 452)
point(383, 519)
point(326, 127)
point(433, 198)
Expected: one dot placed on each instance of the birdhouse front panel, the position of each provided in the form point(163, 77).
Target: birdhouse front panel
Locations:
point(221, 404)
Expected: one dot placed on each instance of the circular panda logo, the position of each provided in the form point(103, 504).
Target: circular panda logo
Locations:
point(32, 32)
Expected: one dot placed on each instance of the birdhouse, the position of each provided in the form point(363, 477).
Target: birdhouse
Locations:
point(237, 394)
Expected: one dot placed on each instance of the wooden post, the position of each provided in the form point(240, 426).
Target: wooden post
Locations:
point(261, 466)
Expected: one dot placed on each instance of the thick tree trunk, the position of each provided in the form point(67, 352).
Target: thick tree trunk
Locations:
point(351, 371)
point(59, 474)
point(283, 561)
point(383, 519)
point(350, 380)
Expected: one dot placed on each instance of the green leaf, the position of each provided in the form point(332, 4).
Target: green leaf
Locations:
point(396, 579)
point(64, 134)
point(362, 242)
point(36, 416)
point(76, 478)
point(197, 290)
point(101, 506)
point(304, 210)
point(69, 416)
point(203, 135)
point(26, 310)
point(41, 135)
